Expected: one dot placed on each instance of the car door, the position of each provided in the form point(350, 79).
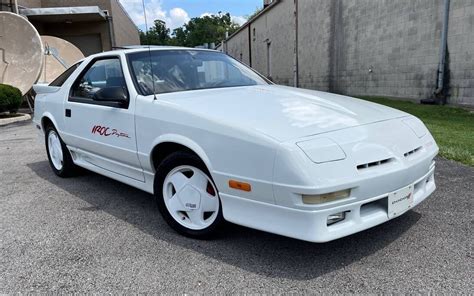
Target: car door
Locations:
point(102, 133)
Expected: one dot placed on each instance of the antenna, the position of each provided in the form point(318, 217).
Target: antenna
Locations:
point(149, 51)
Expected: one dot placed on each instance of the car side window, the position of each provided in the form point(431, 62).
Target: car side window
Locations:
point(59, 81)
point(100, 74)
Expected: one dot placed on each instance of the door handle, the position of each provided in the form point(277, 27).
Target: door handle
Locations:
point(68, 112)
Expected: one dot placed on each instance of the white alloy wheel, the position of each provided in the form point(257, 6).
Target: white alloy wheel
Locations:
point(191, 197)
point(55, 150)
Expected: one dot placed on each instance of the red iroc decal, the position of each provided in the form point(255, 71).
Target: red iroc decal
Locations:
point(107, 132)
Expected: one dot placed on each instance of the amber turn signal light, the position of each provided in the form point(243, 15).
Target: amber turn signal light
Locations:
point(240, 185)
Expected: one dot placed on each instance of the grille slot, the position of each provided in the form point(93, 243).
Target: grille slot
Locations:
point(411, 152)
point(374, 164)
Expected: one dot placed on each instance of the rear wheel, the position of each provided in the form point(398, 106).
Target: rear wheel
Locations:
point(187, 196)
point(59, 157)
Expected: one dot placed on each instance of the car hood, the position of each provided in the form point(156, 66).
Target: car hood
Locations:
point(280, 112)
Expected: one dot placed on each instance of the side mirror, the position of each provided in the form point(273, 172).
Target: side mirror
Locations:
point(116, 94)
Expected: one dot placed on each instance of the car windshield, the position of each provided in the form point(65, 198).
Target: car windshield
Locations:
point(180, 70)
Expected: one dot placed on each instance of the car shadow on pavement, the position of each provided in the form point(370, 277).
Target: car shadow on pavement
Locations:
point(255, 251)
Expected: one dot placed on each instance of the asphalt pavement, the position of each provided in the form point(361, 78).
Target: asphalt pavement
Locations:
point(93, 234)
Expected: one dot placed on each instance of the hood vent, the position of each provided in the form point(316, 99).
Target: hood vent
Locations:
point(374, 164)
point(409, 153)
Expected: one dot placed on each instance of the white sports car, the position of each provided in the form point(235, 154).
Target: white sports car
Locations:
point(213, 140)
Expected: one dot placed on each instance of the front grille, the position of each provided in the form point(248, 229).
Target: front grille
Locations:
point(411, 152)
point(374, 164)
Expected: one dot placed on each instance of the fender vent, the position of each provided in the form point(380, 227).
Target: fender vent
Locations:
point(374, 164)
point(409, 153)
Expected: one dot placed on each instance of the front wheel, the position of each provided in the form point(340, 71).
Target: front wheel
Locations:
point(59, 157)
point(187, 196)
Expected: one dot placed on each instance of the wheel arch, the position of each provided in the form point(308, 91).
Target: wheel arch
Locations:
point(167, 144)
point(47, 119)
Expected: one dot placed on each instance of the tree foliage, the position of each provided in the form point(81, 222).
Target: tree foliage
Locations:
point(159, 34)
point(199, 30)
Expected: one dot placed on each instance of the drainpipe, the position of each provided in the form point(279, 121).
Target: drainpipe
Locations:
point(110, 23)
point(250, 46)
point(443, 49)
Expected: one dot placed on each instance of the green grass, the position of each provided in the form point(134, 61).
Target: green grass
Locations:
point(452, 127)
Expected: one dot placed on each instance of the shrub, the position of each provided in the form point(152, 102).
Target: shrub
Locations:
point(10, 98)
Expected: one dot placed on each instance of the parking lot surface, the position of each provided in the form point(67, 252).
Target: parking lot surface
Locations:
point(93, 234)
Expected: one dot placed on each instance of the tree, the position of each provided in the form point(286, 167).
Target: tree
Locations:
point(205, 29)
point(159, 34)
point(178, 38)
point(199, 30)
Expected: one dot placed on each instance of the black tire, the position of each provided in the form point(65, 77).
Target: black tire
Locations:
point(68, 169)
point(174, 160)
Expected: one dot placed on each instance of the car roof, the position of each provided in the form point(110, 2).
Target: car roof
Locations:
point(142, 48)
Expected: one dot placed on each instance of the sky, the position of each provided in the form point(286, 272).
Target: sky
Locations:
point(177, 12)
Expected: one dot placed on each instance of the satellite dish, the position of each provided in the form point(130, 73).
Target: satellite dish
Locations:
point(21, 52)
point(59, 55)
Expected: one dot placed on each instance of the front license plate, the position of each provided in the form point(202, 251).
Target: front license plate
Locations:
point(400, 201)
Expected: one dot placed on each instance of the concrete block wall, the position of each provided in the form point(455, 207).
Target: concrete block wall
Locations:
point(277, 28)
point(366, 47)
point(461, 51)
point(239, 46)
point(386, 48)
point(314, 43)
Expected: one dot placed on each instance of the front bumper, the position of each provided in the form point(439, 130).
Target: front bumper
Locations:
point(311, 225)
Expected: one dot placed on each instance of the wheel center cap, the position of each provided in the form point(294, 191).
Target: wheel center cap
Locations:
point(190, 197)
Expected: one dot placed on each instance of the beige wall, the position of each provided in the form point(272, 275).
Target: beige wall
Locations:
point(125, 31)
point(78, 29)
point(30, 3)
point(103, 4)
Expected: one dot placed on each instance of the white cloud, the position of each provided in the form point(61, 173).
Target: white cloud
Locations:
point(206, 14)
point(173, 18)
point(178, 17)
point(240, 20)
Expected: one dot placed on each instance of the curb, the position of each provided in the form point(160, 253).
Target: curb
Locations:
point(6, 121)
